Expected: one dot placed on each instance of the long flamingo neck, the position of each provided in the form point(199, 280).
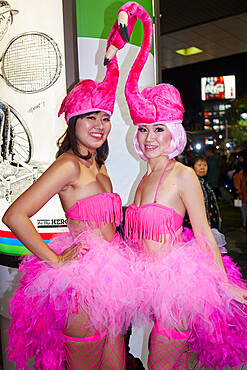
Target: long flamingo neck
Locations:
point(134, 75)
point(112, 69)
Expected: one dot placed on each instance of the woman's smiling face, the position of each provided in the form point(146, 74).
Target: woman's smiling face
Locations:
point(153, 139)
point(92, 130)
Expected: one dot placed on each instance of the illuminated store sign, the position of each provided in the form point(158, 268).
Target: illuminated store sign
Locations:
point(221, 87)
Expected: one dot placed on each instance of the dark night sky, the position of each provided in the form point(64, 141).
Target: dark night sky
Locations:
point(187, 79)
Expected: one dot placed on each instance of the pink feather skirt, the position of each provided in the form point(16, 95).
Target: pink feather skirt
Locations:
point(98, 283)
point(186, 288)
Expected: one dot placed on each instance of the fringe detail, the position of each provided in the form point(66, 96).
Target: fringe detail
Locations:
point(101, 209)
point(151, 221)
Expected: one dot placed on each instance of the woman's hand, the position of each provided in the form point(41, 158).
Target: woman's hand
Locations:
point(73, 252)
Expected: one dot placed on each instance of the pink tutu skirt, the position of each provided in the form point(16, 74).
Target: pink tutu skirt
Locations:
point(99, 283)
point(186, 289)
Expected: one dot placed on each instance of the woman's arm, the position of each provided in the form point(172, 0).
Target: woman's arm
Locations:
point(192, 196)
point(17, 217)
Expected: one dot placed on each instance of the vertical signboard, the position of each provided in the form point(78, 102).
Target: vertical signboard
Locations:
point(32, 86)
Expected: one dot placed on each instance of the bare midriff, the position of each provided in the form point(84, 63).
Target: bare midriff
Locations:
point(153, 248)
point(107, 231)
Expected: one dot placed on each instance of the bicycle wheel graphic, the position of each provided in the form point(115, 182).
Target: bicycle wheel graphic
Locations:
point(20, 144)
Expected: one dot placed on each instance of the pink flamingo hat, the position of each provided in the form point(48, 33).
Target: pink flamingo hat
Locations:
point(159, 104)
point(89, 95)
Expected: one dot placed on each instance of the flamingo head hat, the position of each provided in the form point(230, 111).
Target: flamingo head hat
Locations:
point(159, 104)
point(91, 96)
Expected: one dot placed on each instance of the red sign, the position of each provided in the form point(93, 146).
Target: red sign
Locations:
point(214, 88)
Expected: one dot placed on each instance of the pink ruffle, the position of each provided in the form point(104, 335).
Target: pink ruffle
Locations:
point(99, 282)
point(185, 285)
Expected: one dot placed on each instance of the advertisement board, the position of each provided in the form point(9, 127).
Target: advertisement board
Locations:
point(220, 87)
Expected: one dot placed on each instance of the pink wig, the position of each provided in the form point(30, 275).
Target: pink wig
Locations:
point(177, 144)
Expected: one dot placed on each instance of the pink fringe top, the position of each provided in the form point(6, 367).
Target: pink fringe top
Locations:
point(151, 221)
point(101, 209)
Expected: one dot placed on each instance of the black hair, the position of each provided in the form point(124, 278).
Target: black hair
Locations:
point(210, 148)
point(198, 157)
point(69, 141)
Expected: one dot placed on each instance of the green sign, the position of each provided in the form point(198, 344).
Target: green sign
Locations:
point(95, 19)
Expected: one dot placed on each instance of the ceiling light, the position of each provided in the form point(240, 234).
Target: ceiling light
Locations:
point(192, 50)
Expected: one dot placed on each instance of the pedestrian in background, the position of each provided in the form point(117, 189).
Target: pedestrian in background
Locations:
point(213, 169)
point(200, 166)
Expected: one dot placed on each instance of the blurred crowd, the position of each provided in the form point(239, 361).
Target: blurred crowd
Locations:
point(223, 179)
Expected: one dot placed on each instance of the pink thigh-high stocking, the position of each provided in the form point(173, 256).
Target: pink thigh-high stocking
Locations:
point(168, 349)
point(87, 349)
point(96, 352)
point(114, 354)
point(84, 345)
point(85, 352)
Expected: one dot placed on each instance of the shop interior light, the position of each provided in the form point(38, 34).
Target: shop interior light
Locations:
point(192, 50)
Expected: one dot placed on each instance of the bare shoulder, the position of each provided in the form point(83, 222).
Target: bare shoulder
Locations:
point(64, 171)
point(68, 159)
point(68, 162)
point(183, 171)
point(185, 175)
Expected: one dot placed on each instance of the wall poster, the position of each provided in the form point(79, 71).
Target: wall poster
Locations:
point(32, 86)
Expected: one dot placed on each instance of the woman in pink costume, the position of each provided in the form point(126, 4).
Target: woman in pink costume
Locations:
point(196, 299)
point(75, 295)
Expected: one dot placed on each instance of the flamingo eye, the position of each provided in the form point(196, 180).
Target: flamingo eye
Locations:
point(130, 13)
point(111, 40)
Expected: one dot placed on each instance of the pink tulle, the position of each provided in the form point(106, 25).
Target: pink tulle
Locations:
point(183, 284)
point(99, 282)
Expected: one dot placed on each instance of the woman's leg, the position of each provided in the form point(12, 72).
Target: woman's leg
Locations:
point(168, 349)
point(84, 345)
point(114, 354)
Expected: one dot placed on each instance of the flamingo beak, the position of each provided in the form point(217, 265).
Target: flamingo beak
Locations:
point(106, 61)
point(123, 25)
point(111, 52)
